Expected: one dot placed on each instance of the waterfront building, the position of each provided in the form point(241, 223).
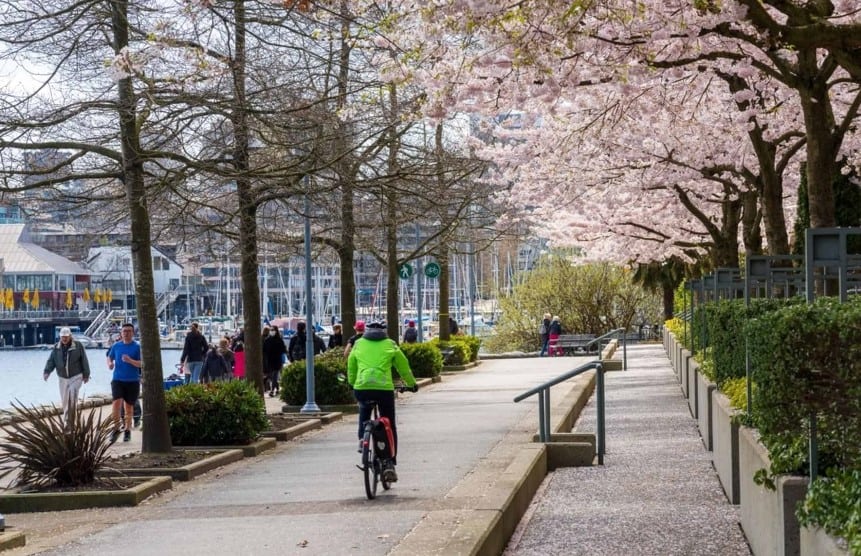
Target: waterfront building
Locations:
point(113, 271)
point(46, 289)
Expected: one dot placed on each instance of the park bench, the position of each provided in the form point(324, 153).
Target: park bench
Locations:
point(571, 344)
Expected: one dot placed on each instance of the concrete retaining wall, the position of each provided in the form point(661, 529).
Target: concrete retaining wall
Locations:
point(816, 542)
point(725, 445)
point(704, 407)
point(767, 516)
point(691, 367)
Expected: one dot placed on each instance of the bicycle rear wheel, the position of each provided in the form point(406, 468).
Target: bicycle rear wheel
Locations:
point(370, 466)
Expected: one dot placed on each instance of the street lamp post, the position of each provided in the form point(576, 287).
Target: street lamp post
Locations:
point(310, 403)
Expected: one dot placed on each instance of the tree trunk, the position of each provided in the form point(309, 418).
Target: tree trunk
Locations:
point(156, 433)
point(444, 332)
point(773, 216)
point(347, 247)
point(750, 221)
point(392, 294)
point(821, 144)
point(725, 250)
point(669, 295)
point(346, 256)
point(248, 245)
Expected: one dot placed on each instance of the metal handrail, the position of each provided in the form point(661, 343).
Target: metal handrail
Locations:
point(624, 337)
point(544, 403)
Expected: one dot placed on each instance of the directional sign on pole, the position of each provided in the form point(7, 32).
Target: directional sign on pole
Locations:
point(405, 271)
point(432, 270)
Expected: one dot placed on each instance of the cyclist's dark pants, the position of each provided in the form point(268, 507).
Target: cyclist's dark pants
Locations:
point(385, 402)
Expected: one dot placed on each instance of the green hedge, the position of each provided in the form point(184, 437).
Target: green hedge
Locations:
point(807, 359)
point(726, 338)
point(460, 350)
point(215, 414)
point(425, 359)
point(834, 504)
point(465, 348)
point(328, 388)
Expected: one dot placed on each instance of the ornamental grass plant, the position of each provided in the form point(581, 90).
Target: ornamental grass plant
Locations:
point(45, 452)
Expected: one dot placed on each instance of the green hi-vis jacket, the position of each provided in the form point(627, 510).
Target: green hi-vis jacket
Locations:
point(371, 360)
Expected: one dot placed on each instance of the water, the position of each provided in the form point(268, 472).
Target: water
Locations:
point(21, 375)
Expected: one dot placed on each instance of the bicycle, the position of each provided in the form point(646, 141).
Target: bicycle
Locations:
point(374, 456)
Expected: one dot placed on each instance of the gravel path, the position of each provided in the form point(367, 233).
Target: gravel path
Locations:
point(657, 492)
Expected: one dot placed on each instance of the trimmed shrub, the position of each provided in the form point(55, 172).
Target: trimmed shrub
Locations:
point(676, 327)
point(460, 351)
point(736, 390)
point(725, 335)
point(215, 414)
point(834, 504)
point(473, 343)
point(806, 361)
point(425, 359)
point(328, 388)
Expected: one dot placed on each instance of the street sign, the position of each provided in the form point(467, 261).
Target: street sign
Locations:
point(405, 271)
point(432, 270)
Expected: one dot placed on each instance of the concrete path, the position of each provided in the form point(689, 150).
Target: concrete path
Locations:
point(657, 492)
point(307, 497)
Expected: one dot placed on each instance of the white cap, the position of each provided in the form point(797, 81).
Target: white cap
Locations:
point(65, 331)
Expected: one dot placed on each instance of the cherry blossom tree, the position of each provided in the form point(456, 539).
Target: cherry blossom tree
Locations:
point(547, 57)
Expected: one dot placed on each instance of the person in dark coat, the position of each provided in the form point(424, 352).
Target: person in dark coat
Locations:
point(215, 367)
point(544, 334)
point(296, 348)
point(411, 334)
point(274, 356)
point(336, 339)
point(193, 351)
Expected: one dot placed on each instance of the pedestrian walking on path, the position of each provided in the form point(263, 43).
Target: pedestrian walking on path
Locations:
point(69, 358)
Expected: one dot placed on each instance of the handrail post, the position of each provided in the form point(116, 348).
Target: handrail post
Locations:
point(813, 449)
point(600, 413)
point(546, 395)
point(542, 432)
point(624, 351)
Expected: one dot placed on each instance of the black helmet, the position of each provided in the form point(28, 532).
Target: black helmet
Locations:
point(376, 324)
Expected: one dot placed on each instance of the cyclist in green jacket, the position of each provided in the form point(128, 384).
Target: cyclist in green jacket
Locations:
point(369, 372)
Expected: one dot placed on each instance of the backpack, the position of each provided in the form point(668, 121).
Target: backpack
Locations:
point(411, 335)
point(297, 350)
point(384, 441)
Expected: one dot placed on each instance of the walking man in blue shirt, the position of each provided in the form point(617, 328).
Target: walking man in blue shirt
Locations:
point(124, 358)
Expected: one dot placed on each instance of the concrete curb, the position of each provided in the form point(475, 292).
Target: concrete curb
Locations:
point(186, 472)
point(296, 430)
point(51, 501)
point(250, 450)
point(12, 539)
point(490, 502)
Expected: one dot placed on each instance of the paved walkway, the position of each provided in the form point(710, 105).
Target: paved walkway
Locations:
point(307, 497)
point(657, 493)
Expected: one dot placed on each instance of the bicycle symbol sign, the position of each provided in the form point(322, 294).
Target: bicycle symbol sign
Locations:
point(405, 271)
point(432, 270)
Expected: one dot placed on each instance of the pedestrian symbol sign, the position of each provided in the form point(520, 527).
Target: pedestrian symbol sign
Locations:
point(405, 271)
point(432, 270)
